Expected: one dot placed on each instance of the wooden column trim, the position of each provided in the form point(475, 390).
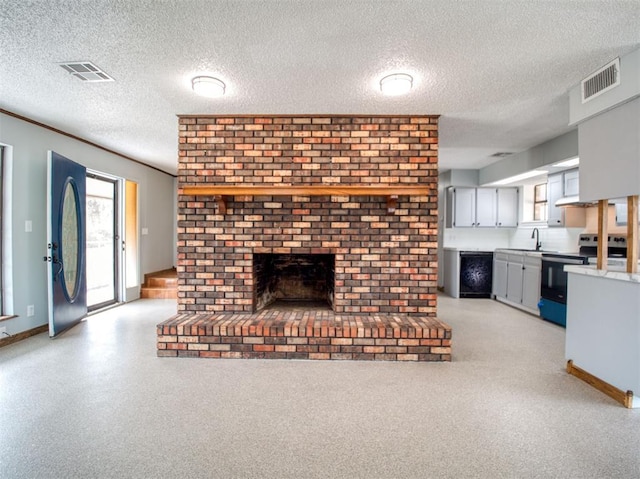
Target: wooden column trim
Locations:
point(603, 233)
point(623, 397)
point(632, 234)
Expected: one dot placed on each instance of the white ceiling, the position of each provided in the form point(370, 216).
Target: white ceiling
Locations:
point(498, 71)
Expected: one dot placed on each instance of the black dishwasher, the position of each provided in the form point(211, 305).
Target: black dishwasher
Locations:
point(476, 274)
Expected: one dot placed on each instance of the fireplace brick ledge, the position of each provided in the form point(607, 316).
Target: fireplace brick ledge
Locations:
point(305, 335)
point(220, 192)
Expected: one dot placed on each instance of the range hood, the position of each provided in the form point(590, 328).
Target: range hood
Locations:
point(574, 201)
point(571, 201)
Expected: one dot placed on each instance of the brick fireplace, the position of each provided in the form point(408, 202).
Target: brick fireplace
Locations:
point(362, 255)
point(294, 280)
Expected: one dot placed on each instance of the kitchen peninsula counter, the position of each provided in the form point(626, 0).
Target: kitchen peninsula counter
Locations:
point(603, 326)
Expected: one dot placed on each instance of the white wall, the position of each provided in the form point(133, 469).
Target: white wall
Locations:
point(610, 154)
point(563, 240)
point(29, 146)
point(559, 148)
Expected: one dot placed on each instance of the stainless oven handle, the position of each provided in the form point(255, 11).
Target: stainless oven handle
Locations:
point(563, 260)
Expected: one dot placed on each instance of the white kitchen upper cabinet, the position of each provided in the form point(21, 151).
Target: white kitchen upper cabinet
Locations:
point(464, 207)
point(469, 207)
point(507, 208)
point(571, 182)
point(555, 191)
point(622, 215)
point(486, 207)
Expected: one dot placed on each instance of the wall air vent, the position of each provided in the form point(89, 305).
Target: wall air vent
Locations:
point(86, 71)
point(603, 80)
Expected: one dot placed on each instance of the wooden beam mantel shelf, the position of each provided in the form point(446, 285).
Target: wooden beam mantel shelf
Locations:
point(220, 192)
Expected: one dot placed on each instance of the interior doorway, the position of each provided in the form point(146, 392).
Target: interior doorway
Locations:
point(104, 244)
point(131, 244)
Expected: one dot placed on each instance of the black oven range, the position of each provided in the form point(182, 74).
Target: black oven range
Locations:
point(553, 281)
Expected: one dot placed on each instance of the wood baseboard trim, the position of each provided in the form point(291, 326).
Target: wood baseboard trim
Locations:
point(23, 335)
point(624, 398)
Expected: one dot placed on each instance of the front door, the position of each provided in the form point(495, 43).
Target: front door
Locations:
point(66, 206)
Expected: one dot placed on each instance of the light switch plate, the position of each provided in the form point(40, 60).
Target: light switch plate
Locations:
point(145, 231)
point(28, 226)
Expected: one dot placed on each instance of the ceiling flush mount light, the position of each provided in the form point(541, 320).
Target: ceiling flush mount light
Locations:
point(396, 84)
point(208, 86)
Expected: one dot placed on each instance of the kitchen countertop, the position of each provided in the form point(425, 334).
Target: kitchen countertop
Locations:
point(615, 272)
point(522, 252)
point(459, 248)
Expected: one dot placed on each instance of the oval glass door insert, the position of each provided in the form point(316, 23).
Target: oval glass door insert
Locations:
point(69, 242)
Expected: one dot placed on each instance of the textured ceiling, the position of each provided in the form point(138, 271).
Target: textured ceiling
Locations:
point(497, 71)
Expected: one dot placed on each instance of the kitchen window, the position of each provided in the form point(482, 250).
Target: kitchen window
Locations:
point(540, 208)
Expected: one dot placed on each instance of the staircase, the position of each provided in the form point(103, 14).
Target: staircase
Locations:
point(160, 285)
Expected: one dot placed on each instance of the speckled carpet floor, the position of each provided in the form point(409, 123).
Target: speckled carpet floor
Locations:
point(97, 403)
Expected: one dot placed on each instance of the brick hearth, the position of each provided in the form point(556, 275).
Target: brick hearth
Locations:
point(384, 259)
point(305, 335)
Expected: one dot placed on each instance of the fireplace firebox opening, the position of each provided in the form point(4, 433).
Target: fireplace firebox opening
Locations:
point(294, 281)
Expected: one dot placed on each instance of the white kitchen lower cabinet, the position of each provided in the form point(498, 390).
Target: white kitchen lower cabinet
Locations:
point(531, 282)
point(500, 275)
point(516, 279)
point(452, 272)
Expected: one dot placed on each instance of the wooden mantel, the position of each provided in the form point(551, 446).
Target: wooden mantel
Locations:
point(390, 192)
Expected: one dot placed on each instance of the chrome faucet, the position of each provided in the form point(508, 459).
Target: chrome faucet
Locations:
point(536, 234)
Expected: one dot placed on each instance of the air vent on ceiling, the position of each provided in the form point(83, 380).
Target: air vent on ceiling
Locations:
point(501, 154)
point(604, 79)
point(86, 71)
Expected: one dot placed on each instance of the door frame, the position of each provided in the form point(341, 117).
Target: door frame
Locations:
point(118, 240)
point(131, 247)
